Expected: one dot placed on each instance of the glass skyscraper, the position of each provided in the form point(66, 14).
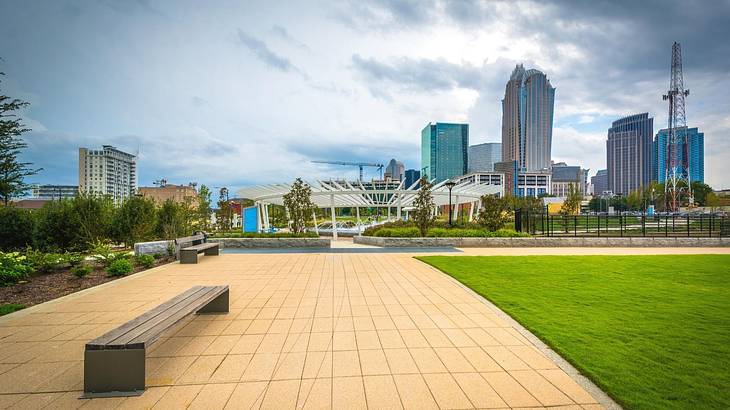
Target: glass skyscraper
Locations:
point(696, 151)
point(444, 150)
point(482, 157)
point(527, 119)
point(629, 153)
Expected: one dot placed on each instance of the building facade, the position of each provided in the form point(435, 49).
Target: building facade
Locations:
point(444, 150)
point(54, 191)
point(177, 193)
point(564, 176)
point(599, 182)
point(629, 153)
point(495, 179)
point(412, 176)
point(522, 183)
point(695, 141)
point(527, 120)
point(482, 157)
point(395, 170)
point(107, 171)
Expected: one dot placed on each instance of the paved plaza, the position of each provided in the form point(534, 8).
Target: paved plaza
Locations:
point(304, 331)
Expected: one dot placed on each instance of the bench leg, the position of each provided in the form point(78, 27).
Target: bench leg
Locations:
point(212, 251)
point(217, 305)
point(188, 257)
point(114, 372)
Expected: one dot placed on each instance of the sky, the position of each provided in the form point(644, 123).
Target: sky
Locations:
point(233, 93)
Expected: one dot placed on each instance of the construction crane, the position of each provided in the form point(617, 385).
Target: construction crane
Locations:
point(677, 181)
point(360, 165)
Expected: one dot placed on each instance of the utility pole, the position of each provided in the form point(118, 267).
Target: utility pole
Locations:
point(677, 175)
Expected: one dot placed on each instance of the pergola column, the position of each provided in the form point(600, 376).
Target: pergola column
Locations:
point(398, 210)
point(456, 208)
point(357, 212)
point(314, 218)
point(334, 218)
point(258, 217)
point(471, 211)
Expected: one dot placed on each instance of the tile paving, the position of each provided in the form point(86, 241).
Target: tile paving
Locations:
point(303, 331)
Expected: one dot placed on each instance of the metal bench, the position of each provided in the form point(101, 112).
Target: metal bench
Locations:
point(114, 363)
point(190, 246)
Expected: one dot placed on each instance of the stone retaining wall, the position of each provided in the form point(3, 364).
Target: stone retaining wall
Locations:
point(535, 242)
point(152, 248)
point(272, 242)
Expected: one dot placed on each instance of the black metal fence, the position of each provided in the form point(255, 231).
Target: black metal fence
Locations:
point(543, 224)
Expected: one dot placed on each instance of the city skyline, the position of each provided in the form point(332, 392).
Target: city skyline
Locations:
point(200, 96)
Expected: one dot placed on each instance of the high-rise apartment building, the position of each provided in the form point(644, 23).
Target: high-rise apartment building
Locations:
point(107, 171)
point(412, 176)
point(444, 150)
point(599, 182)
point(695, 141)
point(629, 151)
point(394, 170)
point(527, 119)
point(482, 157)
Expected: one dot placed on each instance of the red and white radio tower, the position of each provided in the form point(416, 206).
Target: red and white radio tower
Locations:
point(677, 182)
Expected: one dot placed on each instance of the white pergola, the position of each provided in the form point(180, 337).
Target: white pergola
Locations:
point(373, 194)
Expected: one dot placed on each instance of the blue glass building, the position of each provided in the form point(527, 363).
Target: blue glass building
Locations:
point(411, 177)
point(696, 151)
point(444, 150)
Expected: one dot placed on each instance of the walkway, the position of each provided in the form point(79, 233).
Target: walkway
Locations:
point(304, 330)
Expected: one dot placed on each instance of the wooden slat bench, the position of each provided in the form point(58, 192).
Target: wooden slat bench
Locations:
point(114, 363)
point(190, 246)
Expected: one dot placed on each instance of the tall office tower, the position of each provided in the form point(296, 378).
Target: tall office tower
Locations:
point(527, 119)
point(107, 171)
point(563, 176)
point(394, 170)
point(600, 182)
point(482, 157)
point(629, 151)
point(412, 176)
point(444, 150)
point(695, 143)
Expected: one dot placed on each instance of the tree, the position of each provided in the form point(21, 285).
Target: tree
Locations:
point(134, 221)
point(203, 210)
point(571, 205)
point(298, 203)
point(16, 228)
point(173, 220)
point(699, 192)
point(74, 224)
point(12, 172)
point(423, 204)
point(493, 213)
point(224, 214)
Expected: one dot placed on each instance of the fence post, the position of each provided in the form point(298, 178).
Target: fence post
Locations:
point(621, 225)
point(712, 216)
point(688, 225)
point(575, 225)
point(643, 225)
point(599, 224)
point(666, 227)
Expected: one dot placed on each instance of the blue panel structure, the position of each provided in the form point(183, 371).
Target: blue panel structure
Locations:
point(250, 221)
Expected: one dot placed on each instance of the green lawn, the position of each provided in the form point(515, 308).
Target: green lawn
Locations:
point(652, 331)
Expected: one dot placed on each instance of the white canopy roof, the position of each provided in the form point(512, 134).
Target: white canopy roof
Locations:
point(368, 194)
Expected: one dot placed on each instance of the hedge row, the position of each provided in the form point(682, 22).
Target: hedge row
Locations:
point(412, 232)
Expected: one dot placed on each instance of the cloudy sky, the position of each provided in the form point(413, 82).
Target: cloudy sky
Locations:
point(236, 93)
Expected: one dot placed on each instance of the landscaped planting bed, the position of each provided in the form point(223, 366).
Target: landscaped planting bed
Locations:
point(651, 331)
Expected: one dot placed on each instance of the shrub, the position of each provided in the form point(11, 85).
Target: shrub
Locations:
point(44, 262)
point(145, 261)
point(73, 224)
point(456, 233)
point(411, 232)
point(13, 267)
point(119, 267)
point(81, 270)
point(134, 221)
point(493, 212)
point(10, 308)
point(16, 228)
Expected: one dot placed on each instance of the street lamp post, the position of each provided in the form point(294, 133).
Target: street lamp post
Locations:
point(450, 185)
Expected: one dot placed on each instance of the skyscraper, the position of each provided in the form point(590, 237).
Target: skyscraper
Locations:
point(394, 170)
point(444, 150)
point(412, 176)
point(695, 146)
point(482, 157)
point(527, 119)
point(600, 182)
point(629, 151)
point(107, 171)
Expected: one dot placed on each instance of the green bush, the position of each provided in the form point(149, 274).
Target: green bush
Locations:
point(10, 308)
point(134, 221)
point(16, 228)
point(73, 224)
point(13, 268)
point(81, 270)
point(411, 232)
point(456, 233)
point(119, 267)
point(44, 262)
point(145, 261)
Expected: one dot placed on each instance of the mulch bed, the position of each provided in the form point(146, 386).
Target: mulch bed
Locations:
point(42, 287)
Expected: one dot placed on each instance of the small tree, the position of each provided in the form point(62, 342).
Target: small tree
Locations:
point(134, 220)
point(423, 204)
point(16, 228)
point(172, 220)
point(298, 202)
point(571, 205)
point(203, 210)
point(12, 172)
point(493, 213)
